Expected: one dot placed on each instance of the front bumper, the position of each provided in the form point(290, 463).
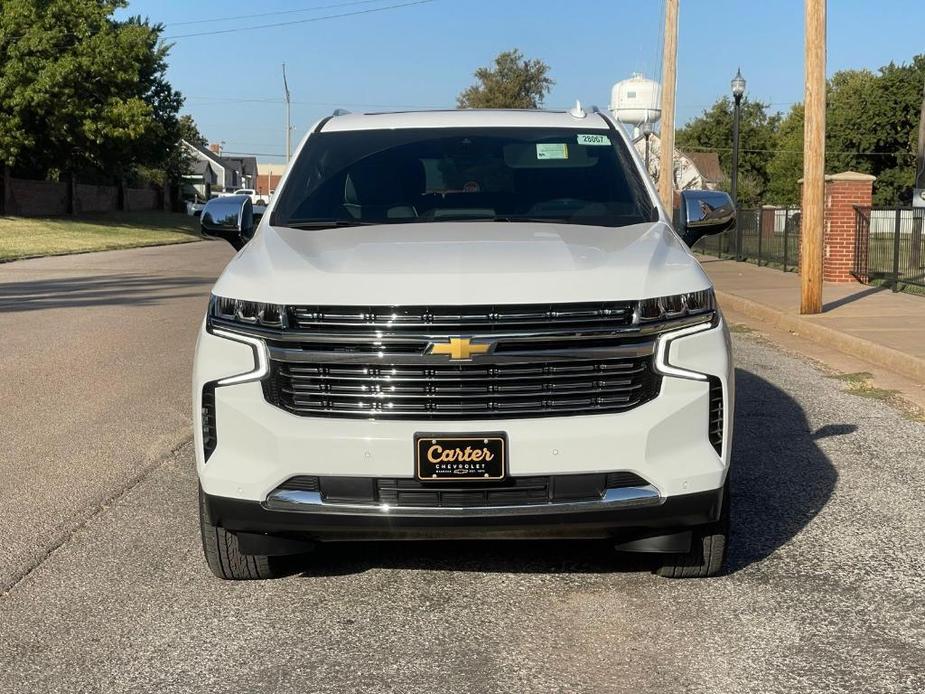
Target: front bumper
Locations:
point(624, 516)
point(664, 441)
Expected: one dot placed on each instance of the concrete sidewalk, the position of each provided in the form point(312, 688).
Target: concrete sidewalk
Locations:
point(866, 322)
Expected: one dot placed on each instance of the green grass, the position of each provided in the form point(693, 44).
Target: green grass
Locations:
point(30, 237)
point(740, 328)
point(860, 384)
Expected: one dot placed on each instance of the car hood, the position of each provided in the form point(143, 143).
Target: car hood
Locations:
point(461, 263)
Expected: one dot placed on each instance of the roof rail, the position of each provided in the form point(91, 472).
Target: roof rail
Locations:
point(340, 112)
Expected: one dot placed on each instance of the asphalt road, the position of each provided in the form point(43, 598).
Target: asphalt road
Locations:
point(825, 591)
point(94, 382)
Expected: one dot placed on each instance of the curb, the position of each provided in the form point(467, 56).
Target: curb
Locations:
point(888, 358)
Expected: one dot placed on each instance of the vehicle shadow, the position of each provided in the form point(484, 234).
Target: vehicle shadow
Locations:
point(780, 481)
point(97, 290)
point(780, 478)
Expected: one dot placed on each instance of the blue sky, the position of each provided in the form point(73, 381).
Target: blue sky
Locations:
point(423, 55)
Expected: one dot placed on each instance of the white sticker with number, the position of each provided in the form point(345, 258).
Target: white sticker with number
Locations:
point(589, 139)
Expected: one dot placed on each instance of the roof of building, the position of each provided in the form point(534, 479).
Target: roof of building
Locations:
point(246, 165)
point(467, 118)
point(207, 153)
point(198, 167)
point(708, 165)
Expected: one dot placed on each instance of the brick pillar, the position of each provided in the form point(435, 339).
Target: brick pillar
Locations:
point(842, 192)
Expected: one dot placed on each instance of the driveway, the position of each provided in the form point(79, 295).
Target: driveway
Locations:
point(824, 591)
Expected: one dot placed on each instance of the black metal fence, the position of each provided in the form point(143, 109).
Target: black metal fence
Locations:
point(889, 248)
point(769, 236)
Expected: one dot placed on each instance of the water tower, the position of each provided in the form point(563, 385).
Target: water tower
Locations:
point(636, 101)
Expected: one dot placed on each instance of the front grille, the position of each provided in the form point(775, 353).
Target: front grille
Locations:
point(716, 414)
point(465, 320)
point(510, 492)
point(302, 483)
point(617, 480)
point(521, 490)
point(470, 390)
point(537, 360)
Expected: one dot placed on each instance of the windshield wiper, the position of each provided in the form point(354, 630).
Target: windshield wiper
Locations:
point(547, 220)
point(335, 223)
point(497, 218)
point(326, 223)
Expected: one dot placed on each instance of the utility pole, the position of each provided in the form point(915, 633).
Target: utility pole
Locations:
point(288, 116)
point(669, 83)
point(812, 233)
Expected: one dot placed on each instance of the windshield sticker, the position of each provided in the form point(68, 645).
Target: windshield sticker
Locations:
point(557, 150)
point(597, 140)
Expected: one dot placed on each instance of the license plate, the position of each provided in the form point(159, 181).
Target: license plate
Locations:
point(460, 458)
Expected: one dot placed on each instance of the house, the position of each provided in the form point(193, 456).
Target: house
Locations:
point(211, 172)
point(692, 170)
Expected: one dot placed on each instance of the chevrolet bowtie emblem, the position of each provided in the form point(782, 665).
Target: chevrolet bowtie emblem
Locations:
point(458, 348)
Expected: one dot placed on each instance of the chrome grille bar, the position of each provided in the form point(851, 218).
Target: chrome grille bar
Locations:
point(447, 390)
point(485, 319)
point(546, 360)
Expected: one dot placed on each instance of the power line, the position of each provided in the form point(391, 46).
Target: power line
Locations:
point(298, 21)
point(254, 154)
point(83, 35)
point(791, 151)
point(212, 20)
point(242, 143)
point(655, 46)
point(334, 104)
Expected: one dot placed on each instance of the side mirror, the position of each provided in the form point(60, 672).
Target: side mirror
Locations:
point(703, 213)
point(231, 218)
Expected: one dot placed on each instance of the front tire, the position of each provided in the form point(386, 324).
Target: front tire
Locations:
point(224, 556)
point(707, 555)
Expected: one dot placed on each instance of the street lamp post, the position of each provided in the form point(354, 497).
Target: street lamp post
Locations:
point(738, 90)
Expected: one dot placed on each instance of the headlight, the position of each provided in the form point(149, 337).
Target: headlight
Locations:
point(675, 306)
point(248, 312)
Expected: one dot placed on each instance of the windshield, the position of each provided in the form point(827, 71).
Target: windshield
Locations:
point(432, 175)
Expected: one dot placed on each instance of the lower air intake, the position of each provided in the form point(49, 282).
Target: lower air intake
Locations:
point(715, 425)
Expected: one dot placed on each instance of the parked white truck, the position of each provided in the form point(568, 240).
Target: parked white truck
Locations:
point(464, 324)
point(256, 198)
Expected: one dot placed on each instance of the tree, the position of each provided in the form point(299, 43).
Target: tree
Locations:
point(512, 83)
point(786, 166)
point(871, 127)
point(82, 92)
point(712, 131)
point(189, 131)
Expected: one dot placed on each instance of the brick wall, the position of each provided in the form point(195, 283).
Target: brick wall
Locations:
point(842, 192)
point(97, 198)
point(36, 198)
point(142, 199)
point(262, 187)
point(50, 198)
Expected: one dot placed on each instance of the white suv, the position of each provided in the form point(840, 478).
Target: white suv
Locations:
point(464, 324)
